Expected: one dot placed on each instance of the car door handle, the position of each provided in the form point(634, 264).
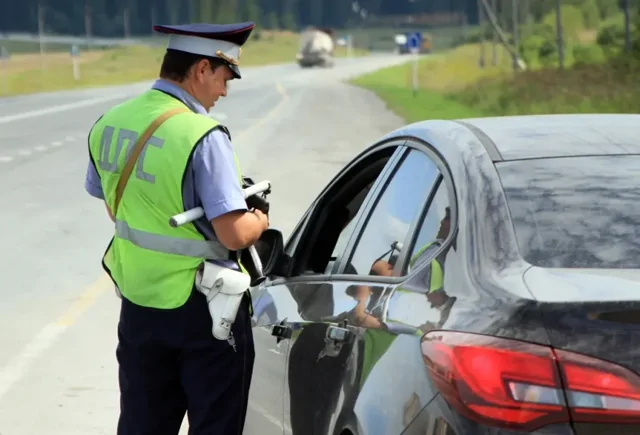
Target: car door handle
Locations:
point(338, 334)
point(281, 331)
point(334, 339)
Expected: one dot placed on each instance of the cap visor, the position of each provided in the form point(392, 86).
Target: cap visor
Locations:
point(236, 71)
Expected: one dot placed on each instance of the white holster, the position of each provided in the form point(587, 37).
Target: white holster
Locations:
point(224, 289)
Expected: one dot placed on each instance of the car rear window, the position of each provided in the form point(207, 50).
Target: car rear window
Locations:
point(576, 212)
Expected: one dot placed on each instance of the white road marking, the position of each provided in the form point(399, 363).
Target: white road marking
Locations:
point(40, 148)
point(25, 152)
point(263, 412)
point(16, 368)
point(56, 144)
point(70, 139)
point(11, 373)
point(60, 108)
point(276, 352)
point(5, 159)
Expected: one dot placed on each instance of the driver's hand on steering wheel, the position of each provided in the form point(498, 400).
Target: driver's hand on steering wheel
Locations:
point(381, 268)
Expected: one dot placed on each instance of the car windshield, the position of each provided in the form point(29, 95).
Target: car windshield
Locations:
point(577, 212)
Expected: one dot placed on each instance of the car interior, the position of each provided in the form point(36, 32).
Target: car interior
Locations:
point(334, 217)
point(327, 232)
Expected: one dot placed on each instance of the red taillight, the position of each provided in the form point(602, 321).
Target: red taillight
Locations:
point(512, 384)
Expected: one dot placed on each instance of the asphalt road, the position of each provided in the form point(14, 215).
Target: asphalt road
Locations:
point(58, 312)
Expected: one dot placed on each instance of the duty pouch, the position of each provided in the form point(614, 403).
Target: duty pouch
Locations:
point(224, 289)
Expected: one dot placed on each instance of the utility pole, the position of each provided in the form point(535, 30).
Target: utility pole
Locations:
point(560, 34)
point(504, 25)
point(40, 35)
point(126, 23)
point(494, 7)
point(87, 22)
point(481, 22)
point(465, 24)
point(627, 27)
point(516, 39)
point(153, 13)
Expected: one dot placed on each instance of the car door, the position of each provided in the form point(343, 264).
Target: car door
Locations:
point(396, 390)
point(264, 410)
point(391, 385)
point(266, 395)
point(278, 303)
point(330, 352)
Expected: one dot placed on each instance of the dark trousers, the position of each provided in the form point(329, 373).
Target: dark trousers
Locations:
point(170, 363)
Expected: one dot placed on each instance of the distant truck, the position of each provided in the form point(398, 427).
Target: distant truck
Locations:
point(402, 43)
point(317, 46)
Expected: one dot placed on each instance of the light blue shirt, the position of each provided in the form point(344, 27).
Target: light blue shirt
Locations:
point(211, 179)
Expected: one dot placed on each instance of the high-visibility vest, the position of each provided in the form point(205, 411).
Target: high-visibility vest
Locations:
point(151, 263)
point(436, 277)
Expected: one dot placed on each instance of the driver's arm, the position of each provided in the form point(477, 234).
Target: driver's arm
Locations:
point(363, 318)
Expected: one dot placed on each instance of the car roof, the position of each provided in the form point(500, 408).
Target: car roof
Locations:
point(544, 136)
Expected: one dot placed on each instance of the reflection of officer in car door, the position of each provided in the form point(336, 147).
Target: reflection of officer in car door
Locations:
point(314, 380)
point(436, 294)
point(314, 395)
point(376, 338)
point(434, 280)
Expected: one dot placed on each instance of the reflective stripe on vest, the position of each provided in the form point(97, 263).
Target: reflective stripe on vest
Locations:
point(210, 250)
point(436, 275)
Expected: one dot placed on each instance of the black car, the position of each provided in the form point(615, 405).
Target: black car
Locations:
point(477, 276)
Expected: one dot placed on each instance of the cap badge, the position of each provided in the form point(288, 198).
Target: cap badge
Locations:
point(229, 59)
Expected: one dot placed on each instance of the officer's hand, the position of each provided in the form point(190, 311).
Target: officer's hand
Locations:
point(264, 219)
point(258, 202)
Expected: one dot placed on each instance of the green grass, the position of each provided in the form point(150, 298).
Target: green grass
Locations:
point(25, 73)
point(601, 88)
point(439, 75)
point(389, 85)
point(453, 86)
point(22, 47)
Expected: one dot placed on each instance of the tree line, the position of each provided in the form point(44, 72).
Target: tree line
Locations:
point(117, 18)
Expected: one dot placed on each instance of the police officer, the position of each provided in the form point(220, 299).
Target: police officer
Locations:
point(169, 361)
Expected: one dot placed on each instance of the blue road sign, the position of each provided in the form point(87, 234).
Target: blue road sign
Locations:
point(414, 41)
point(75, 50)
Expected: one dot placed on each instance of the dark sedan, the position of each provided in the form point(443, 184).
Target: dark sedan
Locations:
point(465, 277)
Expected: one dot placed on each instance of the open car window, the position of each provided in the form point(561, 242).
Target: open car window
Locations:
point(346, 233)
point(294, 238)
point(388, 225)
point(335, 215)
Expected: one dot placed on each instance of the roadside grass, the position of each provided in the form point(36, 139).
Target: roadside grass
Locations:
point(451, 85)
point(22, 47)
point(599, 88)
point(439, 75)
point(394, 86)
point(30, 73)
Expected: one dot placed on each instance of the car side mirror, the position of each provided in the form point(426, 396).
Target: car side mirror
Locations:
point(270, 248)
